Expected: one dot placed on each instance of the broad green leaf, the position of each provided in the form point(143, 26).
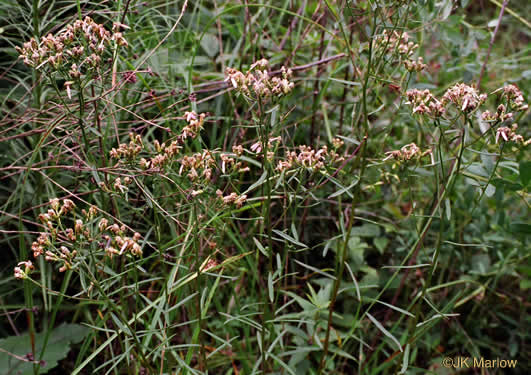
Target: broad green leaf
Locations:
point(525, 172)
point(366, 230)
point(210, 44)
point(490, 190)
point(525, 284)
point(481, 263)
point(519, 227)
point(357, 250)
point(506, 184)
point(381, 243)
point(57, 348)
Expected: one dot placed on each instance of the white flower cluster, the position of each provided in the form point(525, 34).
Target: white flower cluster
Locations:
point(407, 152)
point(509, 134)
point(424, 102)
point(62, 244)
point(80, 43)
point(464, 97)
point(257, 82)
point(395, 40)
point(309, 158)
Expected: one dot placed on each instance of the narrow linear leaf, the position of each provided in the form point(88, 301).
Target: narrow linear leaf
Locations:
point(384, 331)
point(289, 238)
point(405, 360)
point(393, 307)
point(260, 181)
point(270, 287)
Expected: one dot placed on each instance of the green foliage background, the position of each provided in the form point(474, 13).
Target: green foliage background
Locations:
point(266, 307)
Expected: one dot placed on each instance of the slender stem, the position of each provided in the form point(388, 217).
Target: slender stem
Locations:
point(502, 10)
point(357, 193)
point(64, 286)
point(264, 129)
point(427, 284)
point(36, 74)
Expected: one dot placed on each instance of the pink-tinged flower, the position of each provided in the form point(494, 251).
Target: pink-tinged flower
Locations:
point(509, 134)
point(464, 97)
point(408, 152)
point(256, 147)
point(68, 85)
point(20, 273)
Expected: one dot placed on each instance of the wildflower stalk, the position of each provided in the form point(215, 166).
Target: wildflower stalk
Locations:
point(340, 264)
point(80, 121)
point(483, 191)
point(101, 138)
point(35, 73)
point(196, 339)
point(28, 294)
point(483, 67)
point(263, 128)
point(462, 147)
point(64, 286)
point(447, 190)
point(28, 297)
point(112, 305)
point(78, 6)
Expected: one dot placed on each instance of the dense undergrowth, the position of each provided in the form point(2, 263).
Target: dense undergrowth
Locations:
point(282, 187)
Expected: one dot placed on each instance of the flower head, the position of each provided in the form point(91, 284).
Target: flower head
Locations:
point(424, 102)
point(258, 82)
point(465, 97)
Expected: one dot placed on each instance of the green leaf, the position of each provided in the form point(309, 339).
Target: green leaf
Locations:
point(366, 230)
point(289, 238)
point(357, 250)
point(210, 44)
point(384, 331)
point(525, 172)
point(481, 263)
point(490, 190)
point(405, 360)
point(493, 23)
point(260, 247)
point(344, 190)
point(381, 243)
point(448, 209)
point(259, 182)
point(371, 277)
point(513, 346)
point(525, 284)
point(270, 288)
point(446, 9)
point(57, 349)
point(506, 184)
point(488, 162)
point(519, 227)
